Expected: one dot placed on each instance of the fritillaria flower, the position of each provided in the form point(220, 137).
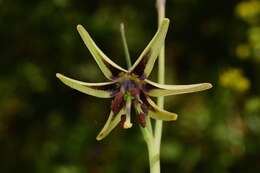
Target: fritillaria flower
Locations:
point(130, 87)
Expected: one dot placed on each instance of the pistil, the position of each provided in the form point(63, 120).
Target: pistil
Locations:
point(128, 123)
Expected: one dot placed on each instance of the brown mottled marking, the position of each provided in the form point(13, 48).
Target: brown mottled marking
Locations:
point(144, 100)
point(115, 72)
point(109, 87)
point(144, 108)
point(139, 69)
point(148, 87)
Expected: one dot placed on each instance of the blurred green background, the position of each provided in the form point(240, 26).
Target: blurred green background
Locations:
point(47, 127)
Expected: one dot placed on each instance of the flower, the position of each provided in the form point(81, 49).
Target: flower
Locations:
point(130, 87)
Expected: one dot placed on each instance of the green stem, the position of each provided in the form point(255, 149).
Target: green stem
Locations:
point(153, 140)
point(160, 4)
point(126, 50)
point(153, 154)
point(154, 158)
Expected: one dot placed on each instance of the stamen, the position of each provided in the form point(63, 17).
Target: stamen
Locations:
point(141, 114)
point(117, 103)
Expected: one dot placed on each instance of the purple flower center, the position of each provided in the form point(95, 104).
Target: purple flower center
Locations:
point(130, 90)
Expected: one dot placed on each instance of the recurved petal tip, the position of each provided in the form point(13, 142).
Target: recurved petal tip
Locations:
point(166, 20)
point(204, 86)
point(171, 116)
point(160, 114)
point(58, 75)
point(208, 85)
point(99, 137)
point(79, 27)
point(174, 116)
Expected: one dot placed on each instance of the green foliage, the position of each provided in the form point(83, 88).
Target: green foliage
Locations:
point(46, 127)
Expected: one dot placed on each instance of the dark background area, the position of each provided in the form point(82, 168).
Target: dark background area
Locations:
point(47, 127)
